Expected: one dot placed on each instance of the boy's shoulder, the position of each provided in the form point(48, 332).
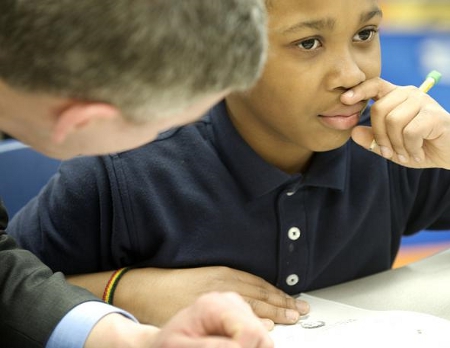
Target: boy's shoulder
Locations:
point(192, 130)
point(198, 139)
point(176, 141)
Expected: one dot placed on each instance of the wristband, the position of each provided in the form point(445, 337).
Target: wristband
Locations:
point(108, 294)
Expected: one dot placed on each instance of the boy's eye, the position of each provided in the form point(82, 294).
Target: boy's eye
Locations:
point(365, 35)
point(309, 44)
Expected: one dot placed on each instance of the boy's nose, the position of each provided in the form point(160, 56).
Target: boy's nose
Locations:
point(345, 72)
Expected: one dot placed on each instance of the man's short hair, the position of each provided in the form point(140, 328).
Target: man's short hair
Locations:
point(139, 55)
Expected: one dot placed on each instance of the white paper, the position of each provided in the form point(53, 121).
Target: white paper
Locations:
point(332, 324)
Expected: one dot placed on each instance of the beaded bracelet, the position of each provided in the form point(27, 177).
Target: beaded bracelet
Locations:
point(108, 294)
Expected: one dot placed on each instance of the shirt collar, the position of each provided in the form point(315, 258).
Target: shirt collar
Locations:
point(256, 176)
point(328, 169)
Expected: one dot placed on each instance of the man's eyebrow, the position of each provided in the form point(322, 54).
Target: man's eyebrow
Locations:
point(328, 23)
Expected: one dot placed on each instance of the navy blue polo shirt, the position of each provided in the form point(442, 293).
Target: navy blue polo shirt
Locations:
point(200, 196)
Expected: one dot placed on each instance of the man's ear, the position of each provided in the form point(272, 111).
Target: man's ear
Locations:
point(78, 116)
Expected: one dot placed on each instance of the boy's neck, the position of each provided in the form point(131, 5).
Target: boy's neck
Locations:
point(291, 162)
point(284, 155)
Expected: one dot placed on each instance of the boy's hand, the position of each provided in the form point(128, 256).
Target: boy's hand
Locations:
point(155, 295)
point(409, 127)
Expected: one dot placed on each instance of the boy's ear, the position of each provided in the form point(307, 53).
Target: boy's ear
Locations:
point(78, 116)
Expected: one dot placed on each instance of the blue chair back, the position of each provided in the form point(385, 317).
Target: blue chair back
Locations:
point(23, 172)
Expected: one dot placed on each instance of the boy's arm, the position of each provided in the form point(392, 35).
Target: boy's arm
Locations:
point(410, 128)
point(62, 224)
point(141, 292)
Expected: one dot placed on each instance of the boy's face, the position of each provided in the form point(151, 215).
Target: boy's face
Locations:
point(318, 50)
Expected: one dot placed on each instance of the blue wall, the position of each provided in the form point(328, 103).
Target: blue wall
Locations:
point(408, 57)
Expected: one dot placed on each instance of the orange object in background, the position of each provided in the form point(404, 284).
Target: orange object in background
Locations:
point(421, 245)
point(408, 254)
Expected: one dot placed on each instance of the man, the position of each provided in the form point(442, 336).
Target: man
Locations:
point(90, 77)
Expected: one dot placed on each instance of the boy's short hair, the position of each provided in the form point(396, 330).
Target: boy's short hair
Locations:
point(139, 55)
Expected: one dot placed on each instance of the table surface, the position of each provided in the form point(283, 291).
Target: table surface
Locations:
point(422, 286)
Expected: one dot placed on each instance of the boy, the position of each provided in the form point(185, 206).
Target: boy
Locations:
point(270, 197)
point(92, 77)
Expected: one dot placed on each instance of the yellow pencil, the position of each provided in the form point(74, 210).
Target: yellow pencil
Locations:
point(432, 78)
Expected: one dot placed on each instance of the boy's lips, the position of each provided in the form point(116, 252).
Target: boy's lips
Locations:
point(341, 119)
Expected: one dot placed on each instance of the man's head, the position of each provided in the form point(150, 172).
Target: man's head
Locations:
point(318, 50)
point(141, 59)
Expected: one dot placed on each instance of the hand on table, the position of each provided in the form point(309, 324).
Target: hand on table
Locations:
point(155, 295)
point(214, 320)
point(409, 127)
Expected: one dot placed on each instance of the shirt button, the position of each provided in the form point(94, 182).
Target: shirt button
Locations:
point(294, 233)
point(290, 193)
point(292, 280)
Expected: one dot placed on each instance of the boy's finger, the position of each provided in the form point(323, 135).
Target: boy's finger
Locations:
point(364, 137)
point(371, 89)
point(270, 295)
point(278, 315)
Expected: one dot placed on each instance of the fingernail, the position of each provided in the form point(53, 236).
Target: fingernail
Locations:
point(386, 152)
point(303, 307)
point(417, 159)
point(292, 316)
point(402, 159)
point(268, 324)
point(349, 94)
